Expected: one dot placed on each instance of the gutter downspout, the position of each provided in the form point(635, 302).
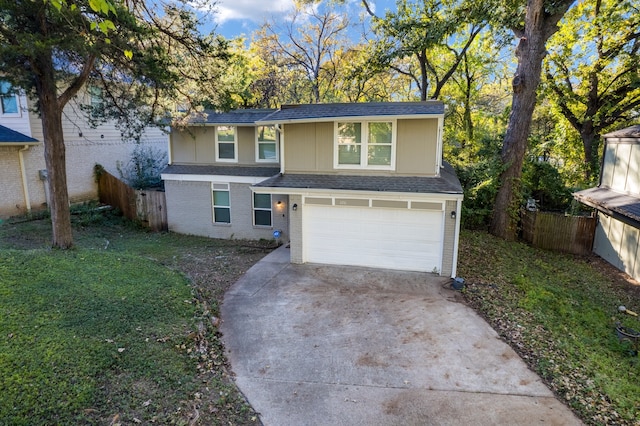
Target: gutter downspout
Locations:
point(23, 174)
point(281, 132)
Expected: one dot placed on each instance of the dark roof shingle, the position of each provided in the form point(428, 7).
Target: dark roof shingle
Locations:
point(237, 117)
point(611, 202)
point(368, 109)
point(628, 132)
point(447, 183)
point(253, 171)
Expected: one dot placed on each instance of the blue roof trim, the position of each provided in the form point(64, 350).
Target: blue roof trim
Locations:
point(11, 136)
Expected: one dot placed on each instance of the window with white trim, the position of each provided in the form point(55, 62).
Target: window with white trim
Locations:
point(221, 203)
point(262, 209)
point(95, 96)
point(9, 99)
point(266, 144)
point(226, 144)
point(366, 144)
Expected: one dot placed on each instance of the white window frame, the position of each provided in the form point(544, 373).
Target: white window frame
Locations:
point(364, 146)
point(15, 97)
point(221, 187)
point(235, 145)
point(95, 96)
point(259, 142)
point(255, 209)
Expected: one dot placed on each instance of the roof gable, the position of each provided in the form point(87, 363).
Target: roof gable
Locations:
point(10, 137)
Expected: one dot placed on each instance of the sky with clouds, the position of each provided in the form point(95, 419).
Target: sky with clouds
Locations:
point(236, 17)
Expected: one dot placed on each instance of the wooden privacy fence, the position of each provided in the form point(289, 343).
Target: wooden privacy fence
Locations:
point(554, 231)
point(145, 206)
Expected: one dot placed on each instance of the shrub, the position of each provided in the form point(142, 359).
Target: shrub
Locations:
point(144, 168)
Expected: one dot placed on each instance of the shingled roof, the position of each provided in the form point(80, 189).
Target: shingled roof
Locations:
point(308, 112)
point(235, 117)
point(231, 170)
point(446, 183)
point(631, 132)
point(11, 137)
point(623, 207)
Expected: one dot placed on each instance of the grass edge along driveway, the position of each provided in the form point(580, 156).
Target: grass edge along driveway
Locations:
point(558, 312)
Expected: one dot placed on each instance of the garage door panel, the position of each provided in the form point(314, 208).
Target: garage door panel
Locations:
point(373, 237)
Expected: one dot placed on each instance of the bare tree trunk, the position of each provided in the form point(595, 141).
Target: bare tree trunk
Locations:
point(54, 153)
point(591, 144)
point(539, 26)
point(424, 81)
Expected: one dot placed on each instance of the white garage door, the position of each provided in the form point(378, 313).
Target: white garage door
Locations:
point(402, 239)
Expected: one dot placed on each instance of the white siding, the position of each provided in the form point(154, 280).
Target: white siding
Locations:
point(617, 243)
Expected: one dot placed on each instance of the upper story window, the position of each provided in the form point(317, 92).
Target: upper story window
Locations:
point(9, 99)
point(266, 144)
point(95, 96)
point(366, 144)
point(226, 144)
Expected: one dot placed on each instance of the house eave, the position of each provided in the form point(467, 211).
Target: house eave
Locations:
point(350, 118)
point(357, 193)
point(612, 212)
point(31, 143)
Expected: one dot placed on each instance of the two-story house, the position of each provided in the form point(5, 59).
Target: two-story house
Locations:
point(214, 161)
point(617, 201)
point(351, 184)
point(23, 171)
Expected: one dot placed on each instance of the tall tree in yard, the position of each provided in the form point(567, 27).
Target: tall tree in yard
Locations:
point(52, 48)
point(593, 70)
point(307, 45)
point(540, 22)
point(435, 33)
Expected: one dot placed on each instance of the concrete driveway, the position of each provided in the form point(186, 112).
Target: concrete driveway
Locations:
point(327, 345)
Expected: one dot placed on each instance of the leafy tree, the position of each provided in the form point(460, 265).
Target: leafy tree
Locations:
point(476, 99)
point(593, 70)
point(307, 44)
point(51, 48)
point(436, 33)
point(534, 27)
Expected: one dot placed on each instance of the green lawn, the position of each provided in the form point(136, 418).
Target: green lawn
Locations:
point(121, 329)
point(559, 312)
point(113, 331)
point(83, 325)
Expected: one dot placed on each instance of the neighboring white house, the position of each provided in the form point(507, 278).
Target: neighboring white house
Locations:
point(359, 184)
point(22, 165)
point(617, 200)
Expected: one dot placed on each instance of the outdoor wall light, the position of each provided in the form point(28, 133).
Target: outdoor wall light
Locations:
point(294, 207)
point(453, 214)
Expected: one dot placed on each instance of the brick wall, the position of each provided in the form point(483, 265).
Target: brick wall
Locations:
point(84, 148)
point(189, 211)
